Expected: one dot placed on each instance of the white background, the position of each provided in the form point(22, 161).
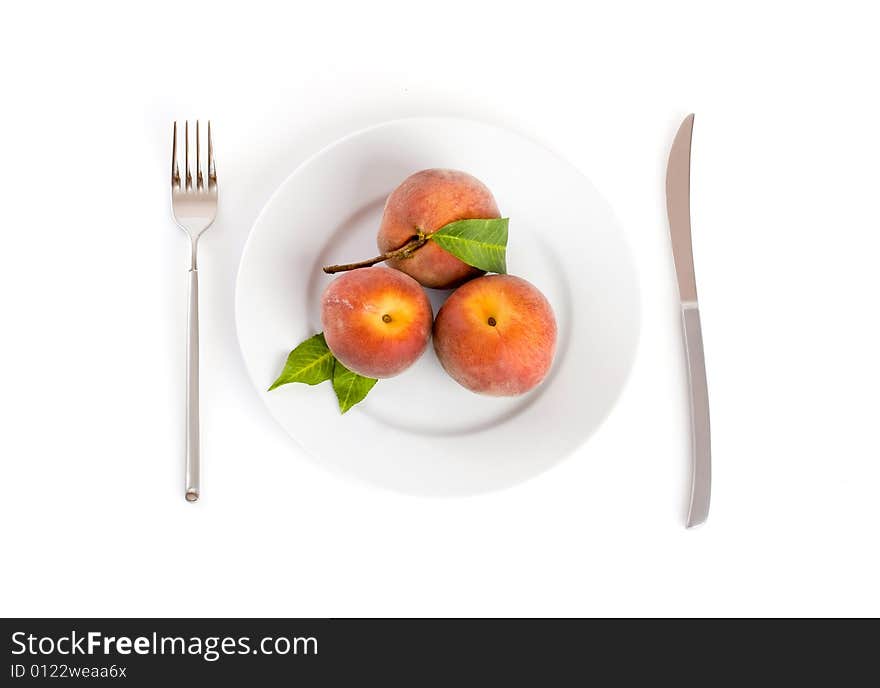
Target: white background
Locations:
point(92, 275)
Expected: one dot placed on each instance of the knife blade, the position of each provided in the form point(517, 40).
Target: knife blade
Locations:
point(678, 192)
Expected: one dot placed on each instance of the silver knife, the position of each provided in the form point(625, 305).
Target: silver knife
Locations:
point(678, 208)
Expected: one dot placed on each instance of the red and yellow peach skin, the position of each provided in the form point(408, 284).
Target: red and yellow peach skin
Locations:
point(427, 201)
point(377, 321)
point(496, 335)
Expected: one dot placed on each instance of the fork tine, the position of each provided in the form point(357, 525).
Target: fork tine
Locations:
point(175, 171)
point(212, 172)
point(200, 183)
point(189, 179)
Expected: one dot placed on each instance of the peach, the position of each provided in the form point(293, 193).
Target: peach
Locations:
point(377, 321)
point(496, 335)
point(426, 201)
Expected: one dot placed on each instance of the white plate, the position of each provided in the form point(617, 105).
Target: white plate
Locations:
point(421, 432)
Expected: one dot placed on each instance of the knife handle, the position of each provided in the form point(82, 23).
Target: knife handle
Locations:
point(701, 455)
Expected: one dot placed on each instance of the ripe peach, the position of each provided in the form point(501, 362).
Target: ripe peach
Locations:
point(426, 201)
point(496, 335)
point(377, 321)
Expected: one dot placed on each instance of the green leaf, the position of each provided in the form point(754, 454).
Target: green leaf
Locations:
point(350, 387)
point(311, 362)
point(481, 243)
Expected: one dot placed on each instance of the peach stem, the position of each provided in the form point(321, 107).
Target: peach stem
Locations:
point(404, 251)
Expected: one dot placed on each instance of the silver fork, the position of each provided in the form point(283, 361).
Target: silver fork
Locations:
point(194, 210)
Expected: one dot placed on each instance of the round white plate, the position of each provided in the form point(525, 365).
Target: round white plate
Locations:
point(421, 432)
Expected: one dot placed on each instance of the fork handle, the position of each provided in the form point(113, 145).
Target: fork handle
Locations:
point(192, 390)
